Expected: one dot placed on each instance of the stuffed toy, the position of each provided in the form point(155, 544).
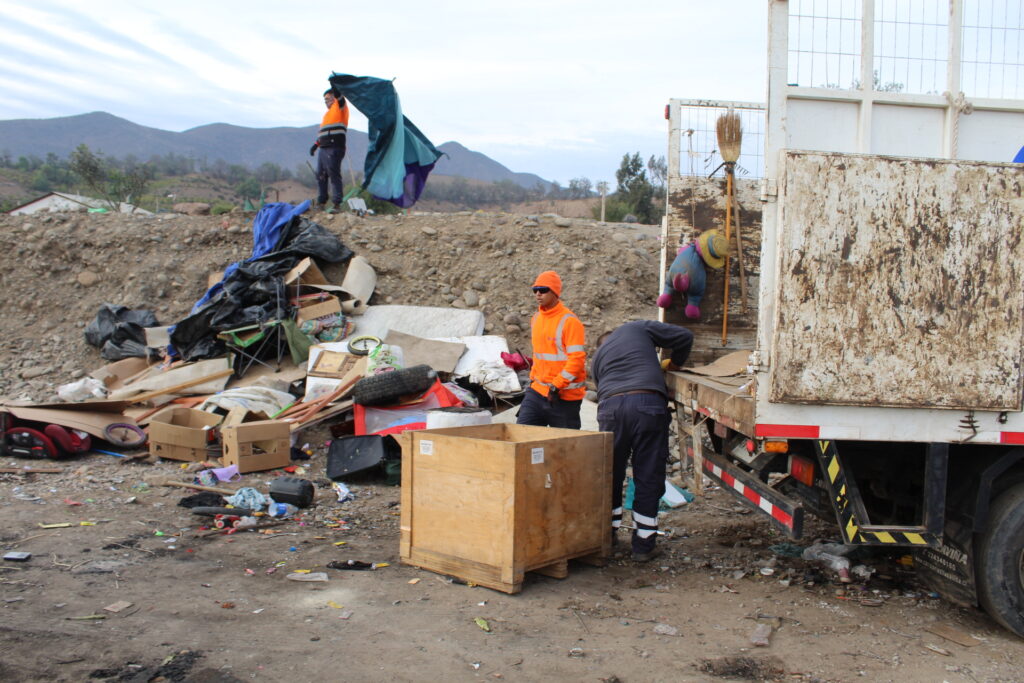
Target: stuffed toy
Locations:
point(686, 274)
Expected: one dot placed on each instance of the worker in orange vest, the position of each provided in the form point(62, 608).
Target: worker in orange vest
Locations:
point(331, 142)
point(558, 377)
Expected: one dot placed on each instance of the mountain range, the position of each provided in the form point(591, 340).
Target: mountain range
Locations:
point(288, 147)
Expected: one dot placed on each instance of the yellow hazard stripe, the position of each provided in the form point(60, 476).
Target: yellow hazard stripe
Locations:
point(833, 469)
point(916, 539)
point(851, 529)
point(884, 537)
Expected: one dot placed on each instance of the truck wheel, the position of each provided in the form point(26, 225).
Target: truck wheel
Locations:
point(1000, 567)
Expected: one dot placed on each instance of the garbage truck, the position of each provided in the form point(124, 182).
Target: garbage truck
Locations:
point(862, 353)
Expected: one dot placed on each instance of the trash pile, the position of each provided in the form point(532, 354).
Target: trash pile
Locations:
point(270, 349)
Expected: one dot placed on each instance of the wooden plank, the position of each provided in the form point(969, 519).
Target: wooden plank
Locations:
point(556, 570)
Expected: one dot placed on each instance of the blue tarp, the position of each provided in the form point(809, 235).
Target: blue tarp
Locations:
point(399, 157)
point(267, 227)
point(1019, 159)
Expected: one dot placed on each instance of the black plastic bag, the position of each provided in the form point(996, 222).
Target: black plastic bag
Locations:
point(120, 332)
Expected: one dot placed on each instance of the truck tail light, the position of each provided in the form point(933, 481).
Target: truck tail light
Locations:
point(802, 469)
point(776, 447)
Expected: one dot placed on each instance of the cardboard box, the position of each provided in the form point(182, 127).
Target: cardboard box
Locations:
point(487, 503)
point(257, 446)
point(330, 305)
point(181, 433)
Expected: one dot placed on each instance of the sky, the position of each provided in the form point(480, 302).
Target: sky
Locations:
point(561, 89)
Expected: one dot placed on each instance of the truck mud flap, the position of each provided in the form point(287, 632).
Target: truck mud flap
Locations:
point(949, 568)
point(786, 514)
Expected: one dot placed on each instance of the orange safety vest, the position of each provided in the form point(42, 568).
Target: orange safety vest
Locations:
point(559, 354)
point(334, 125)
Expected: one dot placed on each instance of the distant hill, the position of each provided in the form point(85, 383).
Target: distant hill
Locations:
point(287, 147)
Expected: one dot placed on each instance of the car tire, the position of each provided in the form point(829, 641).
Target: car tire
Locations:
point(389, 387)
point(1000, 561)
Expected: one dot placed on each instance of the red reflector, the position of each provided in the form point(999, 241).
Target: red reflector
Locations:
point(666, 112)
point(750, 446)
point(802, 469)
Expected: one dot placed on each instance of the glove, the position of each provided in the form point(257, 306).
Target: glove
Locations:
point(692, 311)
point(665, 364)
point(552, 394)
point(312, 150)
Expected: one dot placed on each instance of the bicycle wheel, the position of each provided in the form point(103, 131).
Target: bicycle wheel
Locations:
point(124, 434)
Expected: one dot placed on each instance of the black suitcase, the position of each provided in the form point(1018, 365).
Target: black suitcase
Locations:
point(293, 490)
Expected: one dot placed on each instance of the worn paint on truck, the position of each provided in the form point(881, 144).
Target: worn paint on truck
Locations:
point(899, 283)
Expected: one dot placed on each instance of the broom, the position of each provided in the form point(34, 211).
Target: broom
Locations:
point(730, 135)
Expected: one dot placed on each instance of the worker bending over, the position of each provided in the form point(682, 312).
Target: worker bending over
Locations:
point(633, 405)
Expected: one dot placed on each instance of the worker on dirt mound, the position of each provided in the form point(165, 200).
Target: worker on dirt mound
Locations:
point(633, 405)
point(558, 376)
point(331, 143)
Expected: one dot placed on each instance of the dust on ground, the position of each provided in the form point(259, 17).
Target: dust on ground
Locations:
point(220, 608)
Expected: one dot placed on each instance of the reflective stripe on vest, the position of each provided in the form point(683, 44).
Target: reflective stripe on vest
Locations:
point(559, 346)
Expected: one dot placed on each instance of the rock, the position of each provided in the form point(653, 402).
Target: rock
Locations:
point(562, 222)
point(619, 237)
point(630, 218)
point(35, 371)
point(193, 208)
point(578, 266)
point(87, 278)
point(479, 286)
point(427, 230)
point(512, 329)
point(471, 298)
point(512, 319)
point(375, 247)
point(531, 224)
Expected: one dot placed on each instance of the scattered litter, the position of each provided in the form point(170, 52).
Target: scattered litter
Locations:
point(342, 492)
point(313, 576)
point(58, 525)
point(347, 614)
point(118, 606)
point(666, 630)
point(576, 652)
point(331, 603)
point(482, 623)
point(767, 571)
point(745, 668)
point(414, 581)
point(354, 565)
point(88, 617)
point(227, 605)
point(938, 650)
point(16, 556)
point(257, 611)
point(761, 635)
point(953, 634)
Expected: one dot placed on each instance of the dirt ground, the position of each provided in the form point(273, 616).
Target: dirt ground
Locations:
point(221, 608)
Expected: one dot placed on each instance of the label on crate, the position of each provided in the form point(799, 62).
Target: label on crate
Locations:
point(536, 456)
point(426, 447)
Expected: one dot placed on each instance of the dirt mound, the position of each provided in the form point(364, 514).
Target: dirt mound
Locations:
point(57, 269)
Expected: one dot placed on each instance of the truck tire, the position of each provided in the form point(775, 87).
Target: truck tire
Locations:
point(389, 387)
point(1000, 561)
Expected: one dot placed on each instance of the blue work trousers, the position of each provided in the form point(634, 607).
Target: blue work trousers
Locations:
point(537, 410)
point(328, 169)
point(640, 423)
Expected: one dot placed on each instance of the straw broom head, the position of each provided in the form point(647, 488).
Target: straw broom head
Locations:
point(730, 135)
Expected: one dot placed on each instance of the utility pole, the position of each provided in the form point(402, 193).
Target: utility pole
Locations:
point(602, 187)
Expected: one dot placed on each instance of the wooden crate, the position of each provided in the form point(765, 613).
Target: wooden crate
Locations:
point(488, 503)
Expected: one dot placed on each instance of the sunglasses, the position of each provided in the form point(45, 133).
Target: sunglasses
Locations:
point(541, 290)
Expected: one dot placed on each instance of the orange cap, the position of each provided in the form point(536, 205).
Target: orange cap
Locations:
point(549, 279)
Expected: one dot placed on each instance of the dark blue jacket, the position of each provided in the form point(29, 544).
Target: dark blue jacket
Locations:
point(628, 359)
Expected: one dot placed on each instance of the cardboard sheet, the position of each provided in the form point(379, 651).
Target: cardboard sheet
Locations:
point(359, 283)
point(163, 380)
point(443, 356)
point(90, 422)
point(734, 363)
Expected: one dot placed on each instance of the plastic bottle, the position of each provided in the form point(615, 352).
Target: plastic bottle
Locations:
point(282, 510)
point(819, 552)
